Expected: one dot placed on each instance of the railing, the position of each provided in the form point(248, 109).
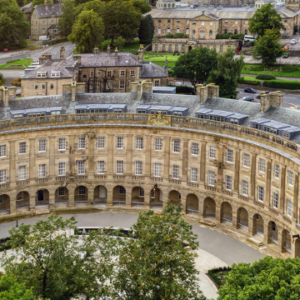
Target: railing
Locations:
point(119, 203)
point(156, 204)
point(192, 211)
point(81, 203)
point(137, 204)
point(22, 207)
point(128, 118)
point(100, 202)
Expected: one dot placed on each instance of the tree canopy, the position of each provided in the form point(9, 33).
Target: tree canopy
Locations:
point(265, 18)
point(269, 278)
point(196, 65)
point(145, 31)
point(268, 47)
point(67, 19)
point(227, 73)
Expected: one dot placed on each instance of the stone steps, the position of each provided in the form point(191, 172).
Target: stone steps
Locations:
point(206, 222)
point(254, 241)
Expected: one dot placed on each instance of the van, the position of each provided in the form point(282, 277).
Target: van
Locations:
point(249, 38)
point(43, 38)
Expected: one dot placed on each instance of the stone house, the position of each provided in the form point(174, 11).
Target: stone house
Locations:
point(44, 18)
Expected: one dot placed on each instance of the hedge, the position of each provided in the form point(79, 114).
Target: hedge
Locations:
point(182, 89)
point(176, 36)
point(56, 41)
point(290, 69)
point(265, 77)
point(277, 83)
point(3, 244)
point(230, 35)
point(217, 270)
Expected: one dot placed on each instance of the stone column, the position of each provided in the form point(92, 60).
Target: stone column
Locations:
point(281, 240)
point(201, 206)
point(148, 155)
point(295, 200)
point(110, 155)
point(234, 218)
point(72, 154)
point(71, 193)
point(32, 167)
point(167, 160)
point(237, 171)
point(32, 200)
point(147, 197)
point(128, 170)
point(109, 196)
point(51, 199)
point(12, 161)
point(12, 202)
point(183, 201)
point(91, 155)
point(218, 212)
point(267, 231)
point(251, 225)
point(90, 194)
point(185, 159)
point(203, 163)
point(52, 147)
point(128, 196)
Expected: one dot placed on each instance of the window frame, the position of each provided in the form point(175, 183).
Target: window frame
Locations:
point(211, 178)
point(22, 147)
point(195, 149)
point(228, 182)
point(42, 145)
point(120, 142)
point(138, 168)
point(101, 142)
point(260, 192)
point(176, 146)
point(139, 143)
point(62, 144)
point(212, 152)
point(245, 188)
point(158, 144)
point(62, 168)
point(157, 169)
point(81, 143)
point(23, 173)
point(2, 176)
point(3, 150)
point(175, 172)
point(81, 167)
point(119, 167)
point(246, 160)
point(42, 171)
point(100, 167)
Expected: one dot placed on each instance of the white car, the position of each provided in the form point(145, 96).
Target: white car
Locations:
point(293, 42)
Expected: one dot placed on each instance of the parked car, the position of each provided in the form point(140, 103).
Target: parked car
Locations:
point(286, 47)
point(293, 42)
point(258, 97)
point(5, 50)
point(248, 98)
point(285, 56)
point(250, 90)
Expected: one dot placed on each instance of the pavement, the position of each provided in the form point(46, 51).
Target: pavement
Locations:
point(216, 249)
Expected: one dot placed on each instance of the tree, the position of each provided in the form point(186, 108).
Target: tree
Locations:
point(78, 2)
point(39, 2)
point(142, 5)
point(145, 31)
point(67, 19)
point(196, 65)
point(49, 259)
point(11, 289)
point(87, 32)
point(268, 47)
point(227, 73)
point(155, 264)
point(119, 42)
point(149, 17)
point(269, 278)
point(13, 26)
point(265, 18)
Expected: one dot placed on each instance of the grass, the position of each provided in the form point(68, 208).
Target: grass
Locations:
point(259, 80)
point(133, 46)
point(10, 65)
point(278, 73)
point(219, 275)
point(160, 57)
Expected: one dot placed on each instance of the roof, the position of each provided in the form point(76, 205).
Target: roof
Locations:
point(150, 70)
point(27, 8)
point(35, 110)
point(221, 113)
point(64, 72)
point(47, 11)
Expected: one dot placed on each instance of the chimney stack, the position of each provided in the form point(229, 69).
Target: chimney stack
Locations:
point(108, 49)
point(141, 54)
point(166, 64)
point(116, 53)
point(96, 50)
point(62, 52)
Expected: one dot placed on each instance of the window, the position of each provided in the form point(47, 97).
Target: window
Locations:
point(81, 143)
point(261, 166)
point(170, 47)
point(156, 47)
point(275, 199)
point(175, 171)
point(226, 21)
point(289, 208)
point(156, 82)
point(176, 146)
point(290, 178)
point(187, 31)
point(61, 191)
point(245, 187)
point(194, 174)
point(168, 30)
point(246, 160)
point(201, 35)
point(178, 21)
point(81, 190)
point(182, 47)
point(100, 167)
point(92, 74)
point(261, 193)
point(159, 31)
point(43, 86)
point(42, 171)
point(228, 182)
point(157, 170)
point(120, 169)
point(122, 190)
point(158, 145)
point(195, 148)
point(2, 150)
point(2, 176)
point(193, 32)
point(177, 30)
point(122, 84)
point(138, 168)
point(61, 169)
point(122, 73)
point(120, 142)
point(108, 73)
point(152, 195)
point(221, 48)
point(194, 23)
point(36, 86)
point(159, 21)
point(212, 152)
point(139, 143)
point(101, 142)
point(42, 145)
point(22, 148)
point(202, 23)
point(22, 173)
point(246, 22)
point(80, 167)
point(246, 31)
point(229, 156)
point(142, 193)
point(132, 73)
point(51, 86)
point(210, 33)
point(276, 171)
point(61, 144)
point(211, 178)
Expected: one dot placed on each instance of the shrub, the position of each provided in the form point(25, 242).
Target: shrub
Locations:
point(288, 69)
point(171, 73)
point(265, 77)
point(22, 43)
point(179, 36)
point(105, 44)
point(169, 35)
point(3, 244)
point(291, 85)
point(119, 42)
point(16, 82)
point(56, 41)
point(1, 79)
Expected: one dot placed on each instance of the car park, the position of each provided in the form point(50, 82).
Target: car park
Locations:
point(249, 90)
point(247, 98)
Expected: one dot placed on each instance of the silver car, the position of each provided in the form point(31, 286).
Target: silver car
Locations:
point(293, 42)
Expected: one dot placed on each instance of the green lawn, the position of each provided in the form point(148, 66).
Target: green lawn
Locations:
point(10, 65)
point(288, 71)
point(259, 80)
point(160, 57)
point(133, 46)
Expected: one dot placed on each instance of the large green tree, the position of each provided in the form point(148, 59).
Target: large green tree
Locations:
point(268, 47)
point(145, 31)
point(13, 26)
point(155, 264)
point(67, 19)
point(39, 2)
point(51, 260)
point(196, 65)
point(265, 18)
point(269, 278)
point(149, 17)
point(87, 32)
point(227, 73)
point(142, 5)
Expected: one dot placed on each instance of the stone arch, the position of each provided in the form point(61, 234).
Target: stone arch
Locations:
point(22, 200)
point(174, 197)
point(156, 197)
point(226, 212)
point(286, 241)
point(242, 219)
point(235, 31)
point(137, 196)
point(258, 225)
point(100, 195)
point(119, 195)
point(173, 5)
point(61, 195)
point(272, 233)
point(209, 209)
point(4, 204)
point(169, 5)
point(225, 30)
point(192, 204)
point(81, 195)
point(42, 197)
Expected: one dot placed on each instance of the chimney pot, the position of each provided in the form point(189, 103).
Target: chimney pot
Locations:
point(116, 53)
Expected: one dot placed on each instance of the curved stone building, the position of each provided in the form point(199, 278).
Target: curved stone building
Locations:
point(230, 163)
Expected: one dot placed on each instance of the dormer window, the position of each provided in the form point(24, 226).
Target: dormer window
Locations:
point(41, 74)
point(55, 74)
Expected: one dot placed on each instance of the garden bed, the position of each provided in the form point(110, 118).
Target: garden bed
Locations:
point(17, 64)
point(218, 275)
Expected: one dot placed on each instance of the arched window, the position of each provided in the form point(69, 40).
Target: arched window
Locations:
point(178, 30)
point(168, 30)
point(246, 31)
point(235, 31)
point(225, 30)
point(159, 31)
point(210, 33)
point(187, 31)
point(194, 32)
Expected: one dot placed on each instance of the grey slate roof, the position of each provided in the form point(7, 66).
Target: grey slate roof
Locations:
point(46, 11)
point(152, 70)
point(27, 8)
point(64, 73)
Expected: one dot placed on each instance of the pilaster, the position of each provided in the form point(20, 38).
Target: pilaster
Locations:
point(129, 155)
point(110, 155)
point(51, 199)
point(72, 154)
point(253, 175)
point(167, 160)
point(32, 166)
point(71, 190)
point(91, 155)
point(185, 159)
point(203, 162)
point(148, 154)
point(12, 161)
point(51, 148)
